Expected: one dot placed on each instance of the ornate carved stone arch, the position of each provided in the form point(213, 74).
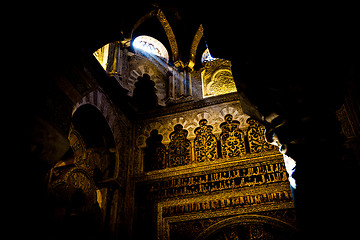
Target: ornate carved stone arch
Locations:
point(76, 143)
point(257, 226)
point(145, 133)
point(118, 128)
point(71, 178)
point(155, 76)
point(116, 122)
point(235, 112)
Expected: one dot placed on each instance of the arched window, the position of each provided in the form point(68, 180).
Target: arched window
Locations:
point(151, 45)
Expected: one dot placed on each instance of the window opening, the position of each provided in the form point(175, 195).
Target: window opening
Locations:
point(150, 45)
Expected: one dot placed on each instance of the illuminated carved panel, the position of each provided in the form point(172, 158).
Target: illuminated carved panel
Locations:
point(232, 138)
point(217, 78)
point(238, 177)
point(102, 55)
point(232, 202)
point(256, 137)
point(179, 147)
point(205, 143)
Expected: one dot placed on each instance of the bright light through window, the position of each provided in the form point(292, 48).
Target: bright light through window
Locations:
point(150, 45)
point(207, 56)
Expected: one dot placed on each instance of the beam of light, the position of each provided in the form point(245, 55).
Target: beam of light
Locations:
point(150, 45)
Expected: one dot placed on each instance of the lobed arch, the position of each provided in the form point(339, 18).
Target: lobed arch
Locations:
point(155, 75)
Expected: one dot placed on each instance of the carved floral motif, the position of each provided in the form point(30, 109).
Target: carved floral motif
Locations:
point(256, 137)
point(232, 138)
point(179, 147)
point(205, 143)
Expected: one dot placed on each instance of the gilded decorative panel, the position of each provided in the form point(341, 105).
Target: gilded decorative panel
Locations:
point(217, 78)
point(261, 174)
point(232, 138)
point(255, 185)
point(65, 181)
point(189, 119)
point(179, 151)
point(205, 143)
point(179, 147)
point(257, 143)
point(251, 227)
point(102, 55)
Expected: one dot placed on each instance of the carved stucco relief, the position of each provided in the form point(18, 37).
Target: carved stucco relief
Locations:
point(190, 121)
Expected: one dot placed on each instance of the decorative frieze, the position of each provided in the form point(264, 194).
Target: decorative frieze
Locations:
point(263, 173)
point(228, 203)
point(206, 146)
